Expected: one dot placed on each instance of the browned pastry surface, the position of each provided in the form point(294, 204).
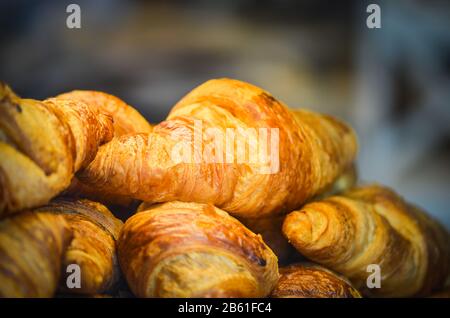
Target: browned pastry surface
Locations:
point(373, 225)
point(126, 120)
point(32, 246)
point(314, 149)
point(306, 280)
point(181, 249)
point(95, 231)
point(42, 145)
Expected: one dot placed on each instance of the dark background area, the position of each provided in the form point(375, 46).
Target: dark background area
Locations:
point(392, 84)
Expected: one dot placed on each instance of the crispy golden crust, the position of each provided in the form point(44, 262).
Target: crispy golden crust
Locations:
point(126, 120)
point(32, 246)
point(306, 280)
point(180, 249)
point(42, 145)
point(313, 150)
point(373, 225)
point(93, 247)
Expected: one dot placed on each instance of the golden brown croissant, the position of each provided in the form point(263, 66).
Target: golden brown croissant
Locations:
point(373, 225)
point(307, 280)
point(126, 120)
point(311, 150)
point(93, 248)
point(32, 246)
point(42, 145)
point(181, 249)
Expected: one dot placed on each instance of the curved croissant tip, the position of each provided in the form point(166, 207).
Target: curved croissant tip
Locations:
point(305, 227)
point(298, 228)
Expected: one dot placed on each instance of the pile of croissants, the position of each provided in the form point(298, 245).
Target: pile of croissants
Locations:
point(86, 180)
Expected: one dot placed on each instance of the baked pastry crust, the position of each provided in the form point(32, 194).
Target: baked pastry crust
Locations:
point(42, 145)
point(182, 249)
point(32, 247)
point(308, 280)
point(93, 248)
point(126, 120)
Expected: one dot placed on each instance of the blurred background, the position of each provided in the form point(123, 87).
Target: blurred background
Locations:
point(392, 84)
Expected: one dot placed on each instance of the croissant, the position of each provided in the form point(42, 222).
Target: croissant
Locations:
point(93, 248)
point(182, 249)
point(372, 225)
point(126, 120)
point(185, 159)
point(42, 145)
point(307, 280)
point(31, 249)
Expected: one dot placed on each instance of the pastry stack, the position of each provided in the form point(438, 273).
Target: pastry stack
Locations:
point(89, 187)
